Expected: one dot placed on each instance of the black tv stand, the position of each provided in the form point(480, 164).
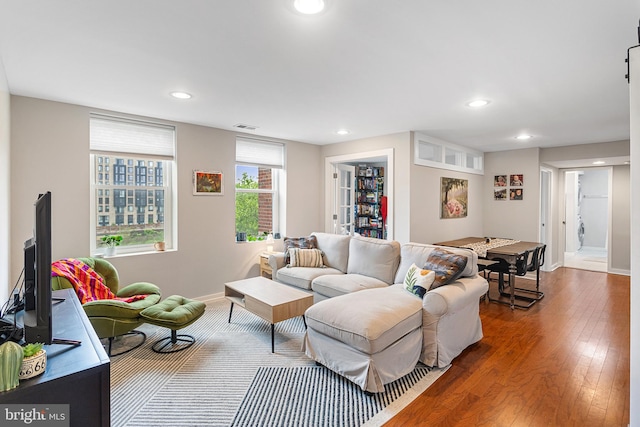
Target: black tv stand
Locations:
point(77, 375)
point(65, 341)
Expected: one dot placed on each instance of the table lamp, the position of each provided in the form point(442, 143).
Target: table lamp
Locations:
point(270, 242)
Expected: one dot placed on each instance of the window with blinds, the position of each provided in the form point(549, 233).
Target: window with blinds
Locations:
point(131, 181)
point(259, 183)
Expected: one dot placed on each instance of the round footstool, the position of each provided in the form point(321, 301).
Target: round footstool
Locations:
point(175, 312)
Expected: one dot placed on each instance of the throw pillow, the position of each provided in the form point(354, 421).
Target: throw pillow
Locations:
point(305, 258)
point(418, 280)
point(298, 242)
point(447, 265)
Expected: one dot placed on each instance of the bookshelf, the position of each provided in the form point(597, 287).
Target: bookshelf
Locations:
point(369, 189)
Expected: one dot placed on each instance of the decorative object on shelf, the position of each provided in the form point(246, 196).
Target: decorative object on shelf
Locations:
point(207, 183)
point(453, 198)
point(34, 362)
point(159, 246)
point(11, 356)
point(111, 242)
point(270, 242)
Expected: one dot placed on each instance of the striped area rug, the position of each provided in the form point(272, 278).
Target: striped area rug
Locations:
point(230, 377)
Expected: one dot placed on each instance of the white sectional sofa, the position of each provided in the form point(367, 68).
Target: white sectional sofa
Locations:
point(366, 326)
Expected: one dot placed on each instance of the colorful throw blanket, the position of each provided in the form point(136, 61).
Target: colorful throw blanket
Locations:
point(88, 284)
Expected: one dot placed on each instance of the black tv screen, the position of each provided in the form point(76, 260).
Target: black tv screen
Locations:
point(37, 268)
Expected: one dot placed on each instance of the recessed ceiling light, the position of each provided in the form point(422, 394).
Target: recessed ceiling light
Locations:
point(478, 103)
point(309, 7)
point(599, 162)
point(343, 132)
point(181, 95)
point(523, 137)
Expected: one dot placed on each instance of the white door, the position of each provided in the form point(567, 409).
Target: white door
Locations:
point(343, 215)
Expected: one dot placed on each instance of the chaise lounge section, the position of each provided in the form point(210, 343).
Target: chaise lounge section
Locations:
point(367, 326)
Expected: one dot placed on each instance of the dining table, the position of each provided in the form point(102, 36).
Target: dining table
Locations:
point(510, 250)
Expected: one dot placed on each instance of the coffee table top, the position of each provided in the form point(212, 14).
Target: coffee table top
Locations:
point(267, 291)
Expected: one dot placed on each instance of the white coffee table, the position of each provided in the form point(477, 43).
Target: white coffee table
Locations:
point(272, 301)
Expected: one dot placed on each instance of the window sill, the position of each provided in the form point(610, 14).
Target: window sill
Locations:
point(129, 254)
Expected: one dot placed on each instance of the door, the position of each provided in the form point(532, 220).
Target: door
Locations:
point(343, 215)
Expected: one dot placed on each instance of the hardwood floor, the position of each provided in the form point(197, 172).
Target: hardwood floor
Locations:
point(563, 362)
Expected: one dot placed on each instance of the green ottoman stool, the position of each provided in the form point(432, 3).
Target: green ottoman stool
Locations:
point(175, 313)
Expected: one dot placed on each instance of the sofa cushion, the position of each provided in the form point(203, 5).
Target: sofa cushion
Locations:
point(335, 248)
point(305, 257)
point(370, 320)
point(301, 277)
point(417, 253)
point(447, 265)
point(309, 242)
point(374, 258)
point(418, 280)
point(334, 285)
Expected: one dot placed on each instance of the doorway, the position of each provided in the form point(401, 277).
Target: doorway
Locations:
point(339, 193)
point(587, 218)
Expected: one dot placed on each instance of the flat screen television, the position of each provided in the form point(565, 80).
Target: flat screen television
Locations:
point(37, 276)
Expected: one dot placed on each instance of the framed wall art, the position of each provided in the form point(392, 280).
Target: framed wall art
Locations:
point(516, 194)
point(516, 180)
point(500, 194)
point(453, 198)
point(207, 183)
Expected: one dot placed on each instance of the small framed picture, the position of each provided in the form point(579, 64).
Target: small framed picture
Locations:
point(517, 180)
point(515, 193)
point(500, 181)
point(207, 183)
point(500, 194)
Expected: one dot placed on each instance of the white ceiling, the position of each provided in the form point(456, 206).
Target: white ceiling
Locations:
point(551, 68)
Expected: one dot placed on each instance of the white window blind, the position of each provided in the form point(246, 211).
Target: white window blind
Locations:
point(109, 134)
point(260, 153)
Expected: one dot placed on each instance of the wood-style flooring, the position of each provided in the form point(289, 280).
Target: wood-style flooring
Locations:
point(563, 362)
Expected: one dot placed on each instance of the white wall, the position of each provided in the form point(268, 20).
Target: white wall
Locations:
point(5, 183)
point(620, 251)
point(426, 224)
point(50, 151)
point(594, 207)
point(634, 96)
point(515, 219)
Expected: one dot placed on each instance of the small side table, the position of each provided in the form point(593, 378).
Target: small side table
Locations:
point(265, 268)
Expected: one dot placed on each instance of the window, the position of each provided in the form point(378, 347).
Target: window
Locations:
point(432, 152)
point(136, 204)
point(259, 183)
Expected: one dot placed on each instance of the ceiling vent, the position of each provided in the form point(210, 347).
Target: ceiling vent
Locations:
point(245, 127)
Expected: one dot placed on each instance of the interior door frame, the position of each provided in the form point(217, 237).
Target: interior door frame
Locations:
point(563, 245)
point(545, 233)
point(384, 155)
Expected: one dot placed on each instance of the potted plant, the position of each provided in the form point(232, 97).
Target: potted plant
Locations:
point(111, 242)
point(34, 361)
point(11, 356)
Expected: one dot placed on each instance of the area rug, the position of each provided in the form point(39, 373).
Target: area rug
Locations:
point(230, 377)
